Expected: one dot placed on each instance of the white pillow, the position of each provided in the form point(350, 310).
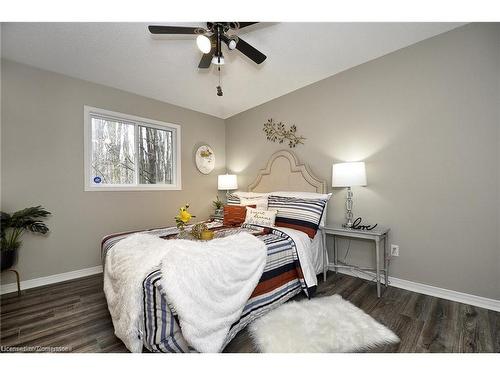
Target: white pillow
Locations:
point(260, 217)
point(301, 194)
point(259, 202)
point(249, 194)
point(307, 195)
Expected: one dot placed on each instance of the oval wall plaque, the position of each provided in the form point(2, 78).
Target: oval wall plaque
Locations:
point(205, 159)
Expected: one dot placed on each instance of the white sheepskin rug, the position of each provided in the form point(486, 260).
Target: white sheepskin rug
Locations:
point(319, 325)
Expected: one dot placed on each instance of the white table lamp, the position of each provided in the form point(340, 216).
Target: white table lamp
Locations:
point(227, 182)
point(349, 175)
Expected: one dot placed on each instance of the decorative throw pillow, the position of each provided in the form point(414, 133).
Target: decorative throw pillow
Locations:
point(234, 215)
point(260, 217)
point(296, 213)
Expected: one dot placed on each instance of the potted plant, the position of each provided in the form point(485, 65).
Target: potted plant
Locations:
point(218, 205)
point(13, 227)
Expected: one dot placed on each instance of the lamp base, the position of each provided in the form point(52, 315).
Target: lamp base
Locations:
point(348, 208)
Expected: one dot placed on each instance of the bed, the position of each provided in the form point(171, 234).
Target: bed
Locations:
point(292, 262)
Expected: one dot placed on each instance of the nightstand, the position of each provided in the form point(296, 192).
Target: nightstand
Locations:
point(379, 235)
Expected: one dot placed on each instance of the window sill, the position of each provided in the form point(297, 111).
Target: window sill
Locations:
point(133, 188)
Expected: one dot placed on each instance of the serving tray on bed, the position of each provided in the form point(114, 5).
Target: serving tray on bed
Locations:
point(220, 231)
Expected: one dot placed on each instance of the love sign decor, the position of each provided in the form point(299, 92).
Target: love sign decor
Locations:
point(357, 225)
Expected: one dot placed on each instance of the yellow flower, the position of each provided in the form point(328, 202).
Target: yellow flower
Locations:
point(184, 216)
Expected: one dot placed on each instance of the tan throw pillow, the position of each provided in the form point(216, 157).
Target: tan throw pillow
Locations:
point(256, 216)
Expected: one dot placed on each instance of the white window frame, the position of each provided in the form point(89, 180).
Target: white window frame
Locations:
point(87, 124)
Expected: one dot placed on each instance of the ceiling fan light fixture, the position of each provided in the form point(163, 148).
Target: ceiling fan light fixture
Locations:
point(218, 60)
point(210, 39)
point(203, 43)
point(232, 44)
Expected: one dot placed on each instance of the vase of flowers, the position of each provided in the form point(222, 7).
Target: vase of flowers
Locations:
point(183, 218)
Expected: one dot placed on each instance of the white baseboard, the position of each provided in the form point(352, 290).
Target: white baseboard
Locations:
point(33, 283)
point(434, 291)
point(470, 299)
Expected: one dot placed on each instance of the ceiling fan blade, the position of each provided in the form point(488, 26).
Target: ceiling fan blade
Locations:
point(205, 61)
point(175, 30)
point(250, 51)
point(245, 24)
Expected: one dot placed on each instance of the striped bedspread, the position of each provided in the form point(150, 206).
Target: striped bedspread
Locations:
point(281, 280)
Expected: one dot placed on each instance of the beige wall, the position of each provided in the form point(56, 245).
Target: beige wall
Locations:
point(426, 121)
point(42, 163)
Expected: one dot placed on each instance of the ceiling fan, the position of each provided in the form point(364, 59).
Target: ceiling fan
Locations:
point(210, 39)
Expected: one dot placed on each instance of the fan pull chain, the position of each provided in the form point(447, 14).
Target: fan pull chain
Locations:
point(219, 88)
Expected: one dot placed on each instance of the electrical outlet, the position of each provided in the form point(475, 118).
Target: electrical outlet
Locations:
point(394, 250)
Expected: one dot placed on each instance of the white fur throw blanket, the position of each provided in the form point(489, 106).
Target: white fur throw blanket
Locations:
point(208, 284)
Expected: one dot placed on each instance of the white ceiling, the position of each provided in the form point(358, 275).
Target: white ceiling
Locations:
point(126, 56)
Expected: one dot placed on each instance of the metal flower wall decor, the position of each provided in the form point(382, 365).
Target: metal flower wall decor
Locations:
point(277, 132)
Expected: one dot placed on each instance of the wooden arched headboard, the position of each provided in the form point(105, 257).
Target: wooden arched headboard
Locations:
point(284, 172)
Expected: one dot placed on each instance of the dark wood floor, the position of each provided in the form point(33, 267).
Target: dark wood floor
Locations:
point(73, 315)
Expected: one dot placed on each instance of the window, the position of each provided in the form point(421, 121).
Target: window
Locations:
point(124, 152)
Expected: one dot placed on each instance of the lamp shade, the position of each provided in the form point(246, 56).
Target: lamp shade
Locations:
point(227, 182)
point(349, 174)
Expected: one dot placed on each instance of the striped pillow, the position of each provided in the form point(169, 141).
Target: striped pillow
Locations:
point(233, 200)
point(297, 213)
